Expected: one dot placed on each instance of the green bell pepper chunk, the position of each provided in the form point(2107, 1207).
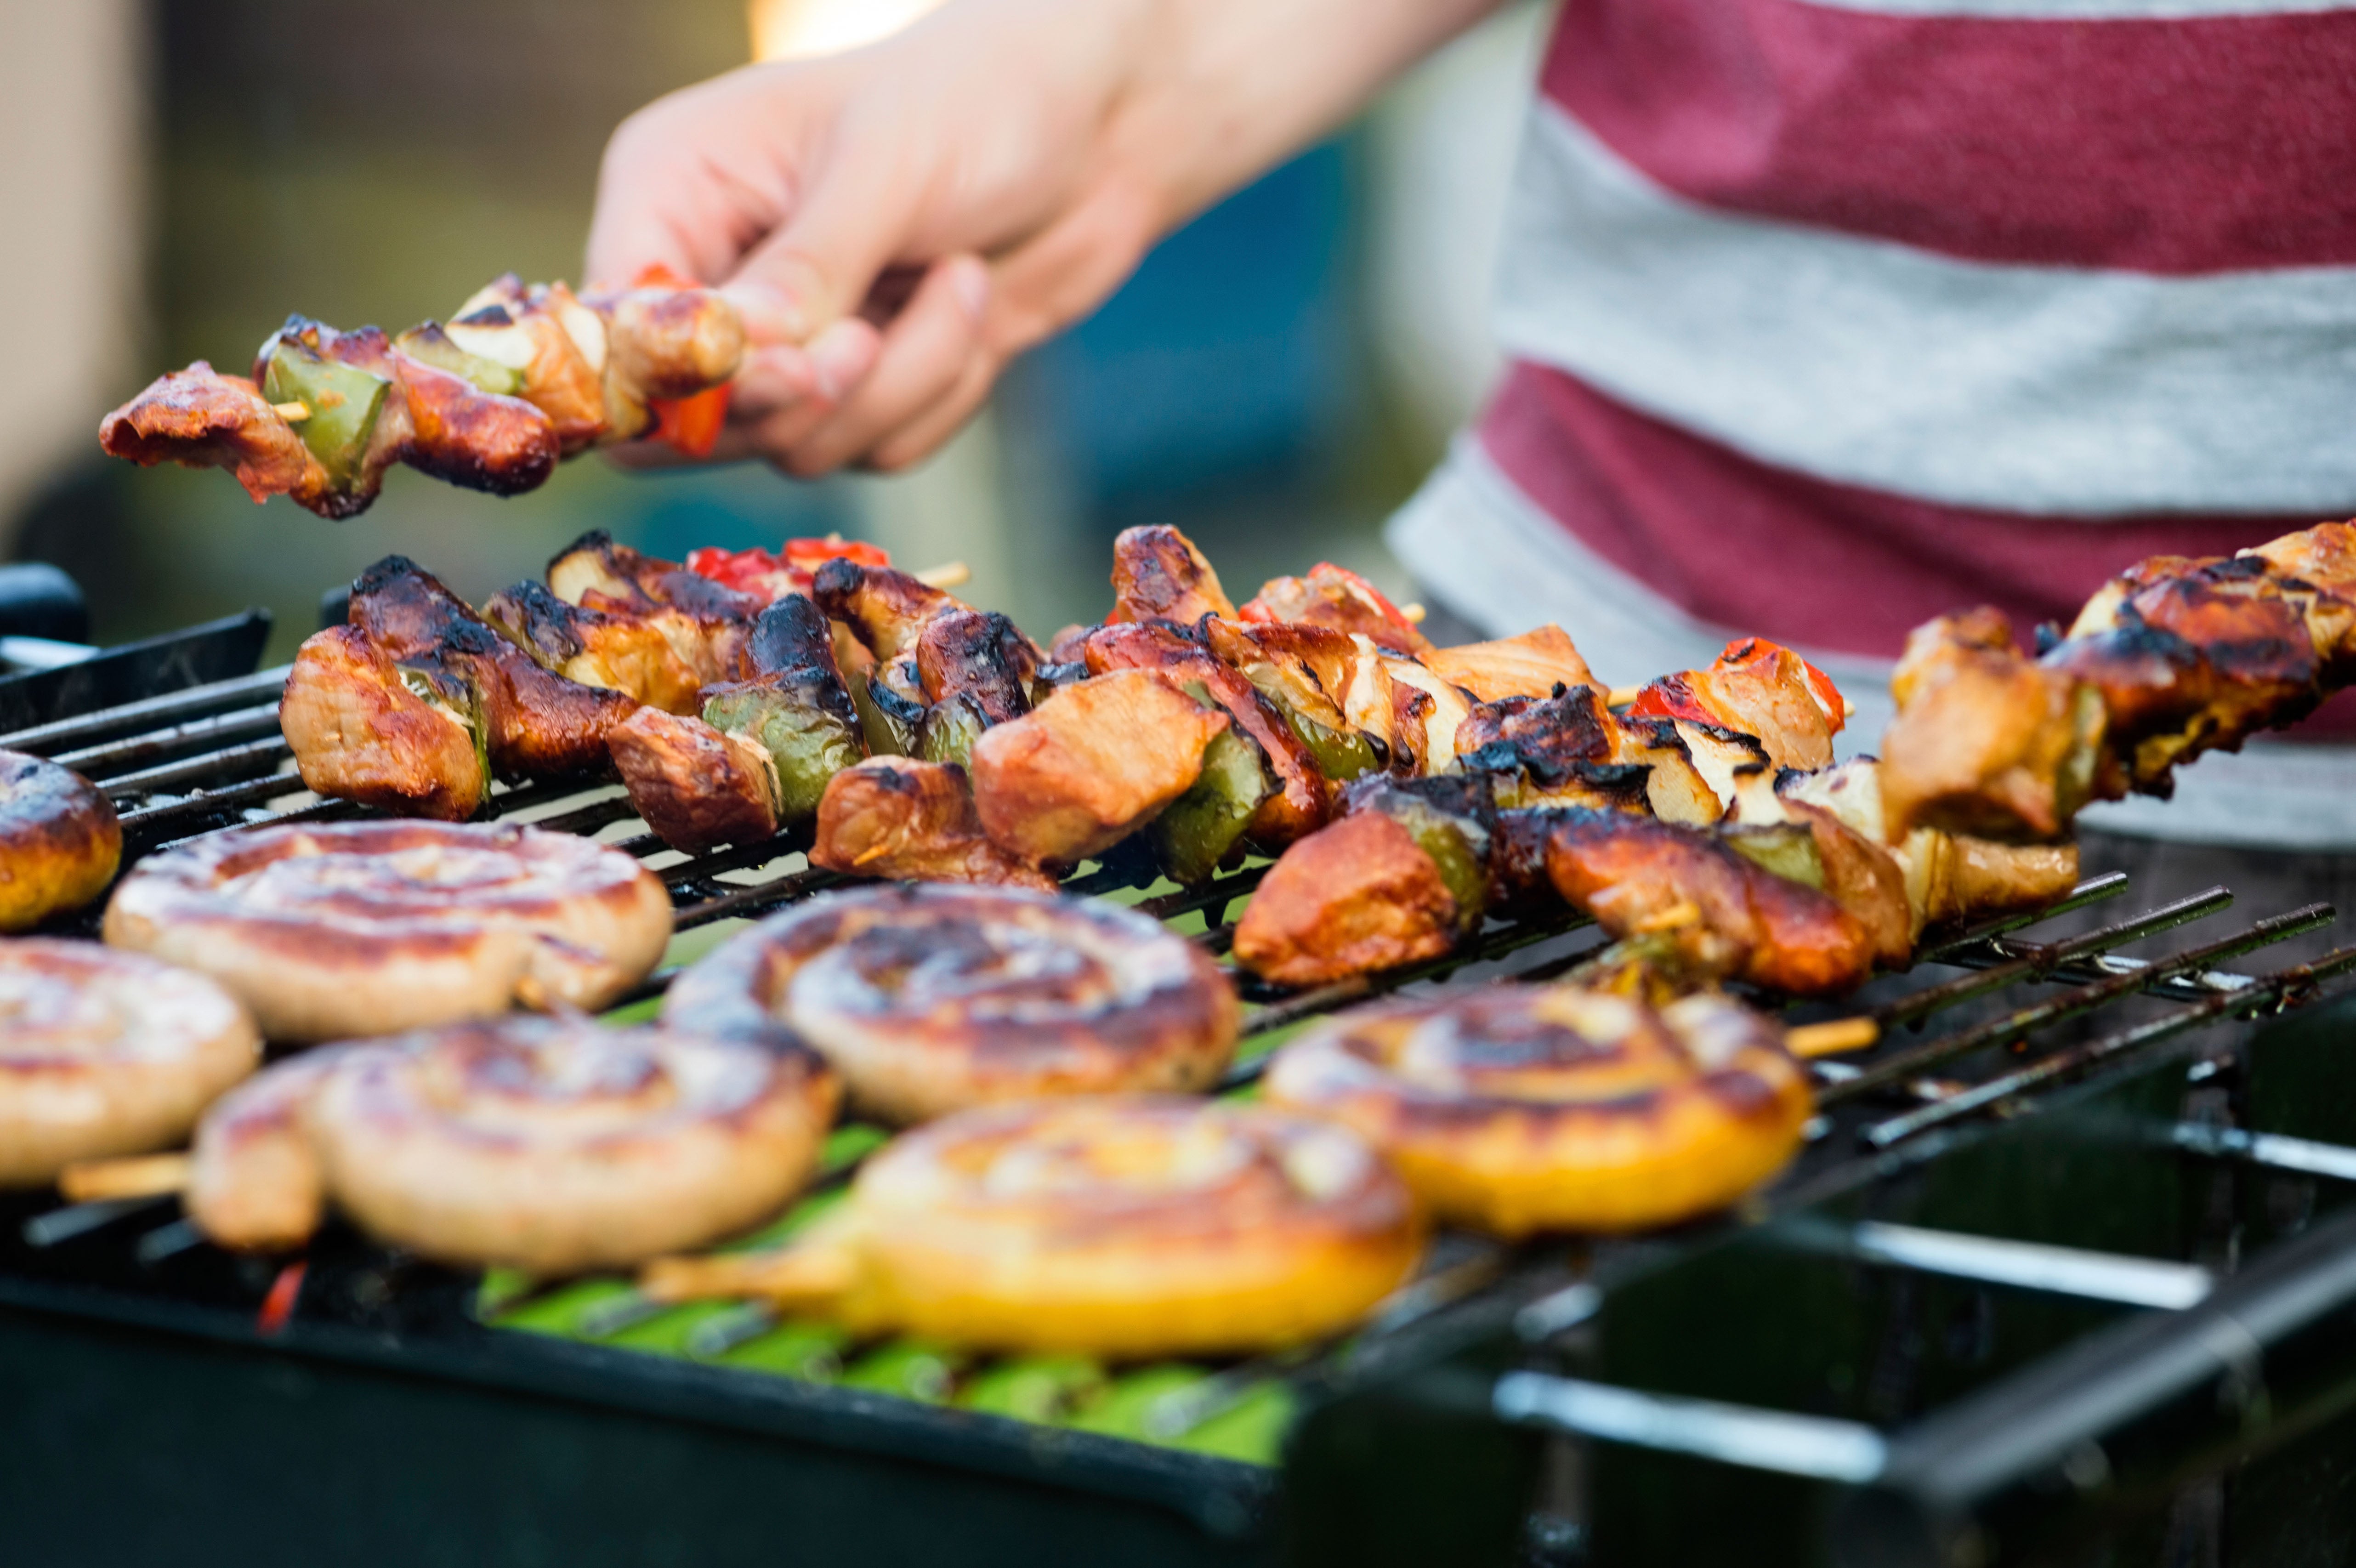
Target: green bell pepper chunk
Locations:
point(949, 731)
point(1198, 829)
point(344, 399)
point(1788, 849)
point(807, 745)
point(428, 344)
point(1341, 754)
point(891, 731)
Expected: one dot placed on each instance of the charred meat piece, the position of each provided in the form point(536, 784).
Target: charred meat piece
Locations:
point(1304, 672)
point(363, 730)
point(796, 709)
point(897, 817)
point(1531, 665)
point(615, 650)
point(535, 722)
point(696, 787)
point(1335, 597)
point(1759, 688)
point(1451, 818)
point(1357, 897)
point(705, 622)
point(981, 656)
point(362, 407)
point(1985, 742)
point(551, 342)
point(1802, 842)
point(887, 610)
point(200, 418)
point(1557, 750)
point(1301, 803)
point(2194, 656)
point(1729, 918)
point(1090, 765)
point(1158, 575)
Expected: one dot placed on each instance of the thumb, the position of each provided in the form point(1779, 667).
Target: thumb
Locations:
point(852, 220)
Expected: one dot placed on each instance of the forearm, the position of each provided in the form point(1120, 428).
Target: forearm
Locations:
point(1227, 89)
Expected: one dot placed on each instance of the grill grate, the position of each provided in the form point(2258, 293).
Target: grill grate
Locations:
point(208, 760)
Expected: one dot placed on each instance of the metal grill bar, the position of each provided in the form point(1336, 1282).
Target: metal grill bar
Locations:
point(45, 740)
point(2016, 1024)
point(2038, 961)
point(2074, 1060)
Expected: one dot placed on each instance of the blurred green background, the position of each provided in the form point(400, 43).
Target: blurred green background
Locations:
point(1274, 380)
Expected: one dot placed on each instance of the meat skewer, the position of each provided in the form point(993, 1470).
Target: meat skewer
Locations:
point(521, 376)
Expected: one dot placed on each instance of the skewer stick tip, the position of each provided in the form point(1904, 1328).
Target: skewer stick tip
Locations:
point(1832, 1037)
point(1621, 696)
point(293, 413)
point(948, 574)
point(141, 1176)
point(1414, 613)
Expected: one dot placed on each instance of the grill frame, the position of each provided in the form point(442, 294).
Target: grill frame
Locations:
point(207, 758)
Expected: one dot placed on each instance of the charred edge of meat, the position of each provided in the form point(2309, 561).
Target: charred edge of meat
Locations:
point(978, 655)
point(539, 622)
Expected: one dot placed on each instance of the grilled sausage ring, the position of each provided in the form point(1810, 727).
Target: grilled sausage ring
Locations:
point(932, 999)
point(107, 1053)
point(1125, 1227)
point(368, 928)
point(554, 1145)
point(59, 842)
point(1516, 1109)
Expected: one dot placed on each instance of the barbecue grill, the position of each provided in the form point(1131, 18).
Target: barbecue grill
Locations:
point(2058, 1272)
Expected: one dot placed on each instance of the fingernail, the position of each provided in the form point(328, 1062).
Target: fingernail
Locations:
point(769, 313)
point(843, 355)
point(969, 280)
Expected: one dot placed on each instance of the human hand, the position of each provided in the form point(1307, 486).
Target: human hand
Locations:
point(896, 222)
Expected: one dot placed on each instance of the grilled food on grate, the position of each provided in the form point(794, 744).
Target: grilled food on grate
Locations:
point(59, 842)
point(932, 1000)
point(1123, 1227)
point(350, 928)
point(105, 1053)
point(553, 1146)
point(2173, 658)
point(898, 817)
point(520, 377)
point(1516, 1109)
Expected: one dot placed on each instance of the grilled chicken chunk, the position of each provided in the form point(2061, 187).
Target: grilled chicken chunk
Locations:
point(1947, 876)
point(983, 657)
point(704, 622)
point(1359, 895)
point(200, 418)
point(362, 731)
point(1090, 765)
point(1534, 664)
point(1569, 749)
point(1727, 917)
point(1302, 801)
point(1759, 688)
point(1338, 597)
point(696, 787)
point(1987, 741)
point(1158, 575)
point(897, 817)
point(535, 722)
point(618, 651)
point(2172, 659)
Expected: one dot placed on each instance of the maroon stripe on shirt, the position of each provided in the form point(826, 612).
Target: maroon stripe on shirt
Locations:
point(2170, 147)
point(1763, 550)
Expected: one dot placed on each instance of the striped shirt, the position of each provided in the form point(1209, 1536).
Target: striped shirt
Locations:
point(1827, 316)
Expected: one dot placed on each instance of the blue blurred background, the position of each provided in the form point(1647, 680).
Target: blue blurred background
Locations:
point(1274, 380)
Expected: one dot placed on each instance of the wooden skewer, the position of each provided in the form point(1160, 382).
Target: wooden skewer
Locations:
point(948, 574)
point(1832, 1038)
point(1414, 613)
point(140, 1176)
point(804, 1276)
point(1621, 696)
point(293, 412)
